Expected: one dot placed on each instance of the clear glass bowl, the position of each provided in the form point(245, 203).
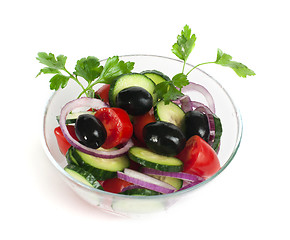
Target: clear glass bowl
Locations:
point(138, 205)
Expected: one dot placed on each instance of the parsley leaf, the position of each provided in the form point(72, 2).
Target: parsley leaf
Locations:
point(114, 68)
point(48, 70)
point(241, 70)
point(180, 80)
point(172, 94)
point(58, 81)
point(185, 44)
point(167, 91)
point(52, 62)
point(161, 89)
point(182, 49)
point(89, 68)
point(54, 65)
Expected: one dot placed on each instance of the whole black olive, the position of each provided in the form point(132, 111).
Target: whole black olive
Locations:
point(195, 123)
point(134, 100)
point(90, 131)
point(164, 138)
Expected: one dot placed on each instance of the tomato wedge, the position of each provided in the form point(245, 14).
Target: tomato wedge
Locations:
point(117, 124)
point(103, 93)
point(61, 140)
point(199, 158)
point(139, 122)
point(115, 185)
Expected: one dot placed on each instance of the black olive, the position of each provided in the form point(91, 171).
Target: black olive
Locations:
point(164, 138)
point(90, 131)
point(195, 123)
point(134, 100)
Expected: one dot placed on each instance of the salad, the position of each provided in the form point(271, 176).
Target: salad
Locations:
point(139, 133)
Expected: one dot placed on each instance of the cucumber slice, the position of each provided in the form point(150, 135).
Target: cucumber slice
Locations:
point(218, 132)
point(70, 158)
point(82, 175)
point(72, 117)
point(150, 159)
point(100, 168)
point(169, 113)
point(140, 192)
point(156, 76)
point(175, 182)
point(131, 80)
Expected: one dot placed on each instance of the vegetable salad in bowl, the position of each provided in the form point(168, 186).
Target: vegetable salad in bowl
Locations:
point(132, 134)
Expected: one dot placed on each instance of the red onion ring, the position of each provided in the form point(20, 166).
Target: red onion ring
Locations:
point(179, 175)
point(185, 103)
point(211, 124)
point(196, 104)
point(88, 103)
point(130, 187)
point(199, 88)
point(145, 181)
point(188, 105)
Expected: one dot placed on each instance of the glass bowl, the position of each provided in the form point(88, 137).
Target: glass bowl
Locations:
point(138, 205)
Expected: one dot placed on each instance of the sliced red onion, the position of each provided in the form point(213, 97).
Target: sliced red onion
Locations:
point(195, 104)
point(88, 103)
point(185, 102)
point(188, 105)
point(199, 88)
point(211, 124)
point(179, 175)
point(145, 181)
point(130, 187)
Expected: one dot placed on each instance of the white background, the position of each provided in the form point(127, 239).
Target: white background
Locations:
point(249, 200)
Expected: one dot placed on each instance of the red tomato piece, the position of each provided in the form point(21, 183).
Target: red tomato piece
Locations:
point(139, 122)
point(63, 144)
point(101, 182)
point(103, 93)
point(117, 124)
point(199, 158)
point(115, 185)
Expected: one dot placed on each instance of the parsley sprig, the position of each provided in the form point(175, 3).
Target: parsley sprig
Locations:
point(88, 68)
point(171, 90)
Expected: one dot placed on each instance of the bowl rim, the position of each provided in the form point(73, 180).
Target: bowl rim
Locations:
point(161, 196)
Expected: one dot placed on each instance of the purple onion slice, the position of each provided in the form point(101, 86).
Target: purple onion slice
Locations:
point(88, 103)
point(145, 181)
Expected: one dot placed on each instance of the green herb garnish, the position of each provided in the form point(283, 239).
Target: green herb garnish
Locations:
point(171, 90)
point(88, 68)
